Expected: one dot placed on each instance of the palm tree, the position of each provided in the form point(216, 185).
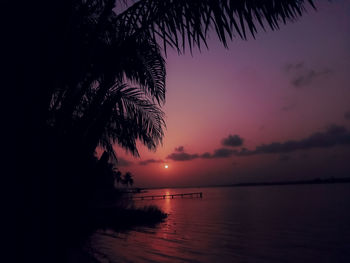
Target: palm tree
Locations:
point(127, 179)
point(117, 176)
point(93, 74)
point(91, 52)
point(118, 106)
point(175, 22)
point(118, 74)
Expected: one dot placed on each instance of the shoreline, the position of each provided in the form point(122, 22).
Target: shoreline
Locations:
point(316, 181)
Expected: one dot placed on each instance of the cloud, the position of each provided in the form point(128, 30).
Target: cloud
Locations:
point(179, 149)
point(232, 140)
point(124, 162)
point(289, 107)
point(245, 152)
point(333, 135)
point(219, 153)
point(205, 155)
point(149, 161)
point(302, 76)
point(335, 129)
point(181, 155)
point(294, 66)
point(307, 77)
point(223, 153)
point(347, 115)
point(235, 140)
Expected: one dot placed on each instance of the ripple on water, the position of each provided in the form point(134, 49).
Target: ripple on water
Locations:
point(251, 224)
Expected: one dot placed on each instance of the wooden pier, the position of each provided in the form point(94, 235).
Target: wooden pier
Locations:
point(168, 196)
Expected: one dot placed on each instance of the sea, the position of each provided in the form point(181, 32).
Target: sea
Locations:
point(291, 223)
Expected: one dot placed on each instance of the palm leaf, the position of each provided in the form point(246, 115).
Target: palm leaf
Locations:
point(193, 19)
point(135, 117)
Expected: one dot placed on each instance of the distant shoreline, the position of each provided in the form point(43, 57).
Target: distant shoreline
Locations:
point(314, 181)
point(332, 180)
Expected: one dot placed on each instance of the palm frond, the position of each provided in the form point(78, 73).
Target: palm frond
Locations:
point(134, 118)
point(138, 60)
point(191, 20)
point(108, 51)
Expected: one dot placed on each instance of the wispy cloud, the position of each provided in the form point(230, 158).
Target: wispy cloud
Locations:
point(150, 161)
point(182, 156)
point(179, 149)
point(219, 153)
point(124, 162)
point(232, 140)
point(332, 136)
point(302, 76)
point(289, 107)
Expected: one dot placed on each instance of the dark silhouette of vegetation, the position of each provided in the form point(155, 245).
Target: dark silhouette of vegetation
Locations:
point(117, 176)
point(122, 218)
point(127, 179)
point(90, 73)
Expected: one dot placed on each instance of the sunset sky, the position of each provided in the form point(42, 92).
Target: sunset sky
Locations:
point(273, 108)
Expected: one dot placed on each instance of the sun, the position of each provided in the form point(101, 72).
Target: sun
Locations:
point(166, 166)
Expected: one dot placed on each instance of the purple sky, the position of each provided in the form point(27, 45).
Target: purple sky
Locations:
point(287, 85)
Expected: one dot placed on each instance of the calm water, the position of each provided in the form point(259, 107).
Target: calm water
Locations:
point(305, 223)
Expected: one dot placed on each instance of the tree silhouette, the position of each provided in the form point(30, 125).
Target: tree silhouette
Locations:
point(127, 179)
point(87, 73)
point(108, 50)
point(117, 176)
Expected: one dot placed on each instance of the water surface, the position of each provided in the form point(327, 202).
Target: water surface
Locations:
point(301, 223)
